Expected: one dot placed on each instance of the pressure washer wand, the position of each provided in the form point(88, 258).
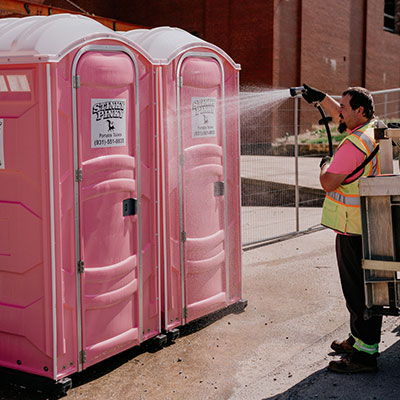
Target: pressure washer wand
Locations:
point(294, 91)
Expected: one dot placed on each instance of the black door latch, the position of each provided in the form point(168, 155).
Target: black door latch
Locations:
point(129, 207)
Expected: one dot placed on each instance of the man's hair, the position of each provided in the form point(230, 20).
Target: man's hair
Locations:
point(360, 97)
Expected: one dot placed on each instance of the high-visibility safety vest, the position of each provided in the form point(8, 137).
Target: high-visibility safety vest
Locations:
point(341, 209)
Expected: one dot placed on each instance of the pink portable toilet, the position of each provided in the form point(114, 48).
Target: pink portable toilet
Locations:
point(79, 276)
point(198, 100)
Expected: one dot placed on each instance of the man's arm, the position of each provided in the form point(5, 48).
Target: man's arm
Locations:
point(332, 107)
point(312, 95)
point(329, 181)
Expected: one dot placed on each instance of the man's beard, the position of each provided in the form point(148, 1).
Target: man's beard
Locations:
point(342, 127)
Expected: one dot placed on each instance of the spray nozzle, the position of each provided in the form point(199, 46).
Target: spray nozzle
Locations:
point(294, 91)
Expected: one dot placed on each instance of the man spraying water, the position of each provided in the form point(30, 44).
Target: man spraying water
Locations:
point(356, 156)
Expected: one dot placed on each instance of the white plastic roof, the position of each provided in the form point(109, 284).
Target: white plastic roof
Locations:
point(47, 37)
point(165, 43)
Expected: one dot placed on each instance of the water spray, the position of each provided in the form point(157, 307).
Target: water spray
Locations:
point(295, 91)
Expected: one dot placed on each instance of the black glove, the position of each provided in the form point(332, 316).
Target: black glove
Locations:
point(324, 160)
point(312, 95)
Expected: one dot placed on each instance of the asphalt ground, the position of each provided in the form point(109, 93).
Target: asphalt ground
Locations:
point(278, 348)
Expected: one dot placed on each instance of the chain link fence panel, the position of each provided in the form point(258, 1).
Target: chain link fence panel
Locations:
point(281, 147)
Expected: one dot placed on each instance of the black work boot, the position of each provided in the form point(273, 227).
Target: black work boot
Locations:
point(354, 363)
point(344, 347)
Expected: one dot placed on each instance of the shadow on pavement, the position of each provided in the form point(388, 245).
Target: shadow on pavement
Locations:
point(384, 384)
point(16, 392)
point(9, 391)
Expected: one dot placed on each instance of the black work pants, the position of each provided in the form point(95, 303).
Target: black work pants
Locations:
point(349, 258)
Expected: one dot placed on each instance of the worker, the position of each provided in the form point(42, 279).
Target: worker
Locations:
point(355, 115)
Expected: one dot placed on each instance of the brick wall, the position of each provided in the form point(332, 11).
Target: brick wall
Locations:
point(280, 43)
point(103, 8)
point(243, 29)
point(383, 52)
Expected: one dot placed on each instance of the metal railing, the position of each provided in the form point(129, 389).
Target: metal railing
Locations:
point(281, 150)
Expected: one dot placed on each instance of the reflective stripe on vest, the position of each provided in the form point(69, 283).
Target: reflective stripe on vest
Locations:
point(341, 209)
point(349, 200)
point(370, 144)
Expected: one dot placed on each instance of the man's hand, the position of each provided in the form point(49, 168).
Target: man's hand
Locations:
point(312, 95)
point(325, 160)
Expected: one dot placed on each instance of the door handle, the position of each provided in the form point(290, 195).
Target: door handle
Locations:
point(129, 207)
point(219, 188)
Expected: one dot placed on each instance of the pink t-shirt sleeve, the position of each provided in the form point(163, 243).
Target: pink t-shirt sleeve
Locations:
point(347, 158)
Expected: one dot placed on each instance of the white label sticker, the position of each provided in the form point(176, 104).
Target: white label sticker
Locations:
point(108, 122)
point(203, 117)
point(2, 162)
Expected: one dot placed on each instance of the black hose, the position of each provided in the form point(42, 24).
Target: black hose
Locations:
point(294, 91)
point(325, 120)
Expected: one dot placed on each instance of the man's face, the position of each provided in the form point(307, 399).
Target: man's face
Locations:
point(349, 118)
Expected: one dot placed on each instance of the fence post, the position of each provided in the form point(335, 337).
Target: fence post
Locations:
point(385, 107)
point(296, 159)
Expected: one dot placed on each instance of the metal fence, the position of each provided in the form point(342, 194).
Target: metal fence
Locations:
point(281, 147)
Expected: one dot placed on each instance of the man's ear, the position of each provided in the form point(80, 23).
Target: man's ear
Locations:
point(361, 110)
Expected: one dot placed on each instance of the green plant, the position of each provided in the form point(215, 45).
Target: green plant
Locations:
point(318, 141)
point(339, 137)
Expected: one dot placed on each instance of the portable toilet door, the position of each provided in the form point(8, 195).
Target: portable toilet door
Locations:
point(200, 177)
point(107, 161)
point(115, 199)
point(202, 173)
